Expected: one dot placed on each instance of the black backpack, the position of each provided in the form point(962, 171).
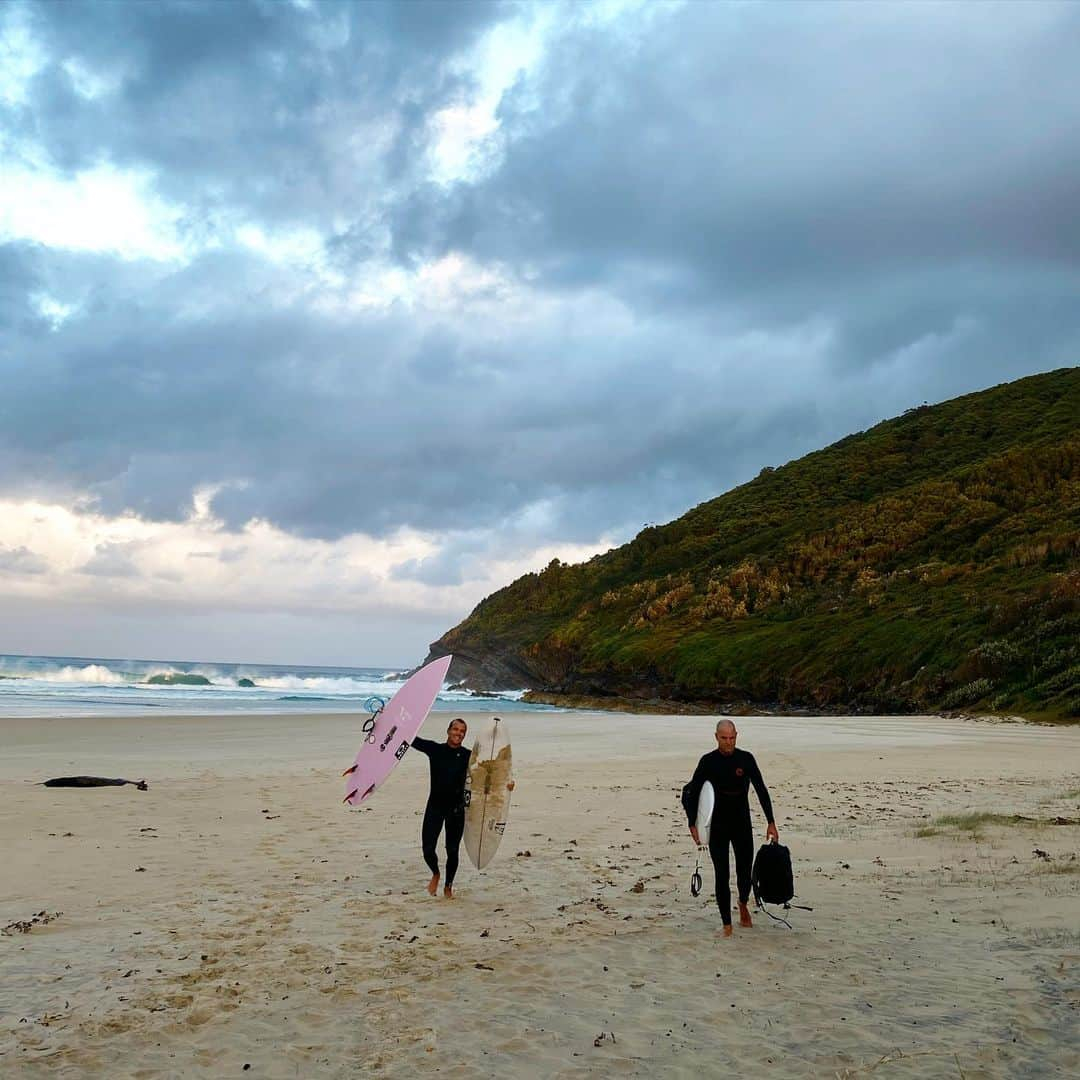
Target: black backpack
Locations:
point(771, 877)
point(773, 881)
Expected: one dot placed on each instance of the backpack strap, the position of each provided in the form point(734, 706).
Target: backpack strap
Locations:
point(776, 918)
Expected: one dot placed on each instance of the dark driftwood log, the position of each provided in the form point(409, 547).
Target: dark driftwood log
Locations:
point(93, 781)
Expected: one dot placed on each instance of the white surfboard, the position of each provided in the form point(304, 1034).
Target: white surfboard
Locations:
point(705, 803)
point(488, 798)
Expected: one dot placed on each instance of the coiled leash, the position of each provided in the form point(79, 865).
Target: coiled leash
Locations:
point(695, 878)
point(374, 705)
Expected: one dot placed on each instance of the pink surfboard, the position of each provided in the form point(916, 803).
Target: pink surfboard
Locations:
point(387, 742)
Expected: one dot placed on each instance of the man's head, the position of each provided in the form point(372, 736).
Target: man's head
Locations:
point(726, 736)
point(455, 732)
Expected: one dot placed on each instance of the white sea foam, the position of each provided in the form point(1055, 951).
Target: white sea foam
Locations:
point(74, 686)
point(321, 685)
point(94, 674)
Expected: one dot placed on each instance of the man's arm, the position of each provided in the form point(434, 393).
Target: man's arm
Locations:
point(425, 746)
point(690, 794)
point(763, 798)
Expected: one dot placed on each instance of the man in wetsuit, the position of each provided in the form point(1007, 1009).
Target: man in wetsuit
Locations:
point(446, 802)
point(731, 773)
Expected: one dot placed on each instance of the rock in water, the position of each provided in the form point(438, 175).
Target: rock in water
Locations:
point(178, 680)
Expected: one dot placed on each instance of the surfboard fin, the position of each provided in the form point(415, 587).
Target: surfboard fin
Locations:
point(350, 769)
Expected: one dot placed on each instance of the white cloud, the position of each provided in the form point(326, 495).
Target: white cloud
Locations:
point(55, 311)
point(57, 555)
point(459, 134)
point(21, 560)
point(20, 56)
point(90, 84)
point(465, 141)
point(102, 209)
point(298, 248)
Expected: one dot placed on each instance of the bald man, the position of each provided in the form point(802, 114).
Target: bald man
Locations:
point(731, 772)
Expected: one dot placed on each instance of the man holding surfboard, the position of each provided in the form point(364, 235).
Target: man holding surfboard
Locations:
point(730, 772)
point(446, 801)
point(445, 808)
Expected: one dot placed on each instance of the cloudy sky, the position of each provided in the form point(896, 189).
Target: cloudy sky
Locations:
point(320, 321)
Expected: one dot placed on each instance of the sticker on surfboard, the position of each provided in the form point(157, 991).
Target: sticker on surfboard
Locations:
point(390, 730)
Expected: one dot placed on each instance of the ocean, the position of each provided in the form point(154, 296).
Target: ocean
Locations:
point(98, 686)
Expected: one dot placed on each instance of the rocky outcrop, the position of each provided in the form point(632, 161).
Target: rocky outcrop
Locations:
point(488, 671)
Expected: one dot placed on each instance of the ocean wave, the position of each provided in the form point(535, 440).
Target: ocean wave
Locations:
point(96, 674)
point(322, 684)
point(76, 686)
point(473, 695)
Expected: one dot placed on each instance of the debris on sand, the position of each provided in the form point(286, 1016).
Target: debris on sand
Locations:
point(24, 926)
point(93, 781)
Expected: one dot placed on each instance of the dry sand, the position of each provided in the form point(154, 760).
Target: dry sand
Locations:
point(238, 915)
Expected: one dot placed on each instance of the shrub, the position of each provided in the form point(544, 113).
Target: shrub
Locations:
point(967, 694)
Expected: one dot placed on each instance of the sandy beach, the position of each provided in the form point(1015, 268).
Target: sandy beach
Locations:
point(236, 918)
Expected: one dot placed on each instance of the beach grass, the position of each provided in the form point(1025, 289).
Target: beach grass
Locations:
point(1071, 867)
point(974, 823)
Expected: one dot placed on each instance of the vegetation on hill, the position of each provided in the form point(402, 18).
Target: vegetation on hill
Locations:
point(932, 562)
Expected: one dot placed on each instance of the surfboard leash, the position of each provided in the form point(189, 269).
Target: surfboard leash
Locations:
point(695, 877)
point(374, 705)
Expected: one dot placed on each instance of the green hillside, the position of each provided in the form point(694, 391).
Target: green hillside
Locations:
point(932, 562)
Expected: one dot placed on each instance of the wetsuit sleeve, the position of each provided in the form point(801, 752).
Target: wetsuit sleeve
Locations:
point(761, 789)
point(425, 746)
point(692, 790)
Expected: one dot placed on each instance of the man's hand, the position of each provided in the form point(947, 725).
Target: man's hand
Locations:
point(771, 833)
point(694, 834)
point(510, 785)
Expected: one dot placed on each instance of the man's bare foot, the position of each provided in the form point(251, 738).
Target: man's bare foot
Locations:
point(744, 916)
point(728, 931)
point(433, 884)
point(448, 892)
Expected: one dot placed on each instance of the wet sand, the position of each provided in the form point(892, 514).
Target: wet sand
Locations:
point(236, 914)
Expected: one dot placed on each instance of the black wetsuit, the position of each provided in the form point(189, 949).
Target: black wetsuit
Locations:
point(446, 803)
point(731, 776)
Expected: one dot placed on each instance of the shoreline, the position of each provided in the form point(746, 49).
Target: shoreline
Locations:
point(670, 707)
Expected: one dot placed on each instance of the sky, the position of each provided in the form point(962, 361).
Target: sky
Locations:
point(319, 322)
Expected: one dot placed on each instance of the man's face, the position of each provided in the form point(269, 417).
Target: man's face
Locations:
point(725, 738)
point(455, 734)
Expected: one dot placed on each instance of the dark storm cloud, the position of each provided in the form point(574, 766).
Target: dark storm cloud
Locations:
point(19, 282)
point(890, 168)
point(755, 143)
point(730, 233)
point(325, 426)
point(276, 108)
